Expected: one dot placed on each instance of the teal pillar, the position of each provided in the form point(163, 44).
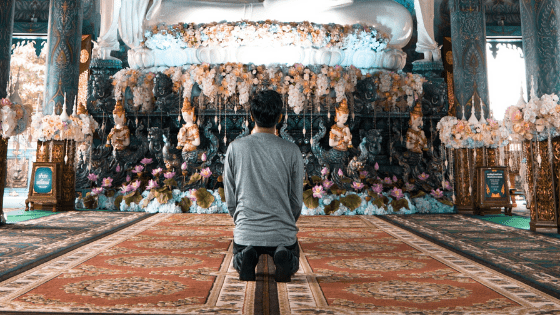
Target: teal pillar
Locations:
point(540, 25)
point(63, 58)
point(7, 8)
point(468, 39)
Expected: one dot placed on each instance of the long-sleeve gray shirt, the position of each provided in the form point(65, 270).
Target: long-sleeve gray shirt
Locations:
point(263, 184)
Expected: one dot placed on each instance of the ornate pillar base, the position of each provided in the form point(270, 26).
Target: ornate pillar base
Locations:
point(62, 152)
point(543, 179)
point(466, 178)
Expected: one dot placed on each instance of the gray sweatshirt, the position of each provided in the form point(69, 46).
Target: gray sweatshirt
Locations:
point(263, 184)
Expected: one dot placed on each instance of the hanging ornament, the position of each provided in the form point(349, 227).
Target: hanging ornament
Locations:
point(66, 155)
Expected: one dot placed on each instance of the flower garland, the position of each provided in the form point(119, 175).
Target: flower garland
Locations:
point(16, 118)
point(299, 83)
point(394, 87)
point(266, 33)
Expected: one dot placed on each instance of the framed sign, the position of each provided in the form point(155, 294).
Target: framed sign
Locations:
point(44, 188)
point(493, 190)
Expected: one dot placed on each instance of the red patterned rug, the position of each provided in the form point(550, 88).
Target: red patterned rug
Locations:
point(181, 264)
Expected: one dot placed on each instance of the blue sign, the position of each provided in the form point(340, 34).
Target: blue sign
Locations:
point(43, 180)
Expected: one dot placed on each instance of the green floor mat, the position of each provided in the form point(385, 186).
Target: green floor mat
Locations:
point(513, 221)
point(21, 215)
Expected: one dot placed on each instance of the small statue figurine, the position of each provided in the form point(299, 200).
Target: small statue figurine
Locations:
point(416, 140)
point(340, 137)
point(188, 137)
point(119, 137)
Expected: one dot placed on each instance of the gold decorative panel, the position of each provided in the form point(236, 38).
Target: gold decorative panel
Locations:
point(542, 179)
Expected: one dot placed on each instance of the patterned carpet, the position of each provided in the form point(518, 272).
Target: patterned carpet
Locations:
point(528, 256)
point(181, 264)
point(27, 244)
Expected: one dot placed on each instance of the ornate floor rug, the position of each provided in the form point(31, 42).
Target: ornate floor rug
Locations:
point(527, 256)
point(27, 244)
point(181, 264)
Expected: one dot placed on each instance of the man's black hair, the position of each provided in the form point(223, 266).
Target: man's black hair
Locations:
point(266, 107)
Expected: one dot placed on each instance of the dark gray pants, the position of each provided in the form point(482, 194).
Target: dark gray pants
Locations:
point(293, 250)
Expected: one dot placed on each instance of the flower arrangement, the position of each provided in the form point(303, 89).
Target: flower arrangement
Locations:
point(300, 84)
point(265, 33)
point(372, 195)
point(79, 127)
point(156, 190)
point(459, 133)
point(16, 118)
point(539, 118)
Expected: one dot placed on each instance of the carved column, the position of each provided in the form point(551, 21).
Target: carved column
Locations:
point(541, 47)
point(63, 75)
point(468, 38)
point(541, 44)
point(7, 8)
point(63, 58)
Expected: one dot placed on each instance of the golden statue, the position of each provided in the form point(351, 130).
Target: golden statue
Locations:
point(416, 140)
point(119, 137)
point(340, 137)
point(188, 137)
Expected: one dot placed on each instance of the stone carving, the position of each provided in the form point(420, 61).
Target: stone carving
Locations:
point(166, 99)
point(17, 173)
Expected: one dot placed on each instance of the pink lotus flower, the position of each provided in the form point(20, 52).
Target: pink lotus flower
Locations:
point(364, 174)
point(340, 173)
point(327, 184)
point(357, 185)
point(93, 177)
point(118, 169)
point(395, 179)
point(157, 171)
point(446, 185)
point(423, 176)
point(137, 169)
point(387, 180)
point(126, 189)
point(128, 178)
point(376, 167)
point(437, 193)
point(146, 161)
point(204, 157)
point(169, 175)
point(318, 191)
point(152, 184)
point(96, 191)
point(192, 196)
point(377, 188)
point(324, 171)
point(206, 172)
point(107, 182)
point(409, 186)
point(184, 166)
point(397, 193)
point(136, 184)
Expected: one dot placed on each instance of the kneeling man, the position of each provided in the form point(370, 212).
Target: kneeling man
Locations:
point(263, 182)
